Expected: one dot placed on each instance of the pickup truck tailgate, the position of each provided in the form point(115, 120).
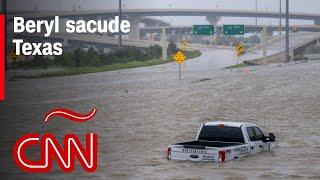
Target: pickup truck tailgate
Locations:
point(179, 152)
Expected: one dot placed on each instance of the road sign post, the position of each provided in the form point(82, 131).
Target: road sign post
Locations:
point(233, 29)
point(179, 57)
point(180, 71)
point(203, 29)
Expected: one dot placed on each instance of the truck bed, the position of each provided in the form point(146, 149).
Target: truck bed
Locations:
point(203, 144)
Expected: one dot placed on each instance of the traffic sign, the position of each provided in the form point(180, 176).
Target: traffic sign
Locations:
point(240, 48)
point(203, 29)
point(184, 45)
point(12, 55)
point(239, 51)
point(179, 57)
point(233, 29)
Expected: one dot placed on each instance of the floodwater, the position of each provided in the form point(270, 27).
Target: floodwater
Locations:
point(141, 111)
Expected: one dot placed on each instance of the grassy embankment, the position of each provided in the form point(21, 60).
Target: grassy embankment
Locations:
point(112, 67)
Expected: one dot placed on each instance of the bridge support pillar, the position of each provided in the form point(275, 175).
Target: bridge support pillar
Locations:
point(62, 25)
point(291, 55)
point(151, 36)
point(318, 42)
point(134, 33)
point(317, 22)
point(213, 20)
point(101, 19)
point(65, 42)
point(164, 44)
point(270, 33)
point(264, 38)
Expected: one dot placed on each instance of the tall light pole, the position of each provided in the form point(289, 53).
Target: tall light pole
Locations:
point(257, 22)
point(4, 11)
point(287, 31)
point(120, 18)
point(256, 11)
point(280, 13)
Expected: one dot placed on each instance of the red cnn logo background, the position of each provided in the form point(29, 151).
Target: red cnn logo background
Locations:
point(2, 57)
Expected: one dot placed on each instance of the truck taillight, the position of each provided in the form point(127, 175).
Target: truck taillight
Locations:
point(222, 155)
point(169, 153)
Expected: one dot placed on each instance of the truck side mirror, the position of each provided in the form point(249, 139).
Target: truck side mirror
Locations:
point(272, 137)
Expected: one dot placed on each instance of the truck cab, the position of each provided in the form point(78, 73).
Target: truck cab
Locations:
point(223, 141)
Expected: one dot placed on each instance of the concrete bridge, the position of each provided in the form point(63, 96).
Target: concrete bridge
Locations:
point(166, 12)
point(273, 50)
point(150, 31)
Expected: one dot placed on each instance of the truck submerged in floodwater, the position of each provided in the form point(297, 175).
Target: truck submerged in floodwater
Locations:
point(223, 141)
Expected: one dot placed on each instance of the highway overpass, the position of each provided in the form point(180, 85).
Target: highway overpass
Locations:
point(219, 28)
point(275, 48)
point(165, 12)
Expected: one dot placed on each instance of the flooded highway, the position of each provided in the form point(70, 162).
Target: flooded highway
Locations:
point(141, 111)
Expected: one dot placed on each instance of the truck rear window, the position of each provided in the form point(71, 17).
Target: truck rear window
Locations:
point(221, 133)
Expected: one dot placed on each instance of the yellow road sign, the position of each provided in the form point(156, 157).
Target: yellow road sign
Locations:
point(184, 45)
point(12, 55)
point(239, 50)
point(179, 57)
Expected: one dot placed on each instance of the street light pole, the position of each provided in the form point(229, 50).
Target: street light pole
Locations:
point(256, 22)
point(120, 18)
point(4, 11)
point(287, 31)
point(280, 13)
point(256, 11)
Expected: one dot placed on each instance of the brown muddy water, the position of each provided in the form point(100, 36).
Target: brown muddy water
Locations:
point(136, 127)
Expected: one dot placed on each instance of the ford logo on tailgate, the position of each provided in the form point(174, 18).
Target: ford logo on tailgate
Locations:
point(194, 156)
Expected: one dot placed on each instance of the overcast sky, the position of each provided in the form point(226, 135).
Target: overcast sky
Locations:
point(309, 6)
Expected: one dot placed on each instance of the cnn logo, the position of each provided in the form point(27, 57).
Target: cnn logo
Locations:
point(50, 149)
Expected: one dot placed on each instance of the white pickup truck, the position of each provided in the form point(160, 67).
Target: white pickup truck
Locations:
point(223, 141)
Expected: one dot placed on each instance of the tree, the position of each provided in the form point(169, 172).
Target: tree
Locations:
point(154, 51)
point(93, 58)
point(66, 59)
point(78, 55)
point(172, 48)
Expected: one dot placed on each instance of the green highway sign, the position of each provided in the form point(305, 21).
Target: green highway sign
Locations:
point(233, 29)
point(203, 29)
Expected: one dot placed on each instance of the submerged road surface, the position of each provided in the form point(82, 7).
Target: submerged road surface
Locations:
point(141, 111)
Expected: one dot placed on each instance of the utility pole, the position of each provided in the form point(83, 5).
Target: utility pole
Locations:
point(287, 31)
point(280, 14)
point(120, 19)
